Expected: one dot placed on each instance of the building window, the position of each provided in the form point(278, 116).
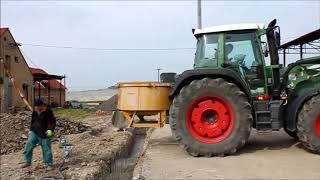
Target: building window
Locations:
point(7, 62)
point(25, 91)
point(16, 59)
point(5, 39)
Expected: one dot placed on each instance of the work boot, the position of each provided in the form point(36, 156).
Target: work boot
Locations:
point(25, 164)
point(48, 167)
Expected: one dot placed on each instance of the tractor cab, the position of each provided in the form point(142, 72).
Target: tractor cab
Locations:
point(237, 47)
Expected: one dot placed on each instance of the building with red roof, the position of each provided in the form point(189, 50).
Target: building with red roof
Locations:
point(48, 88)
point(31, 82)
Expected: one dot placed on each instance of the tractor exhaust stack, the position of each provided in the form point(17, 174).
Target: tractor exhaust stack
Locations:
point(274, 56)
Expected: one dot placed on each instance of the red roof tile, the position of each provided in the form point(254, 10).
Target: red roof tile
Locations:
point(54, 84)
point(37, 71)
point(3, 30)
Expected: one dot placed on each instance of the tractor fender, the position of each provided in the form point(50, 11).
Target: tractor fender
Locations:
point(294, 106)
point(189, 75)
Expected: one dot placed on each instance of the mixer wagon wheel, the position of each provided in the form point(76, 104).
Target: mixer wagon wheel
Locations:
point(211, 117)
point(308, 124)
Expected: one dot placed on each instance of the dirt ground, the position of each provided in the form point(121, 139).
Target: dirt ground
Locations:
point(267, 156)
point(92, 153)
point(14, 130)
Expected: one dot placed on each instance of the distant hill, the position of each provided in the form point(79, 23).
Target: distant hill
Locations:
point(112, 87)
point(91, 95)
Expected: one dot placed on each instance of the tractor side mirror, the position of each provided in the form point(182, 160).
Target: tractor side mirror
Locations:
point(277, 35)
point(265, 51)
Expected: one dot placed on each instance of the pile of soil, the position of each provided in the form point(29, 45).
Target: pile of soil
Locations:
point(14, 130)
point(94, 155)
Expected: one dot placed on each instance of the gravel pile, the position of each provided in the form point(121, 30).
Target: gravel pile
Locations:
point(14, 130)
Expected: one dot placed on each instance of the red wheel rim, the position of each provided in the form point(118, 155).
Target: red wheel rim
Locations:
point(318, 125)
point(210, 119)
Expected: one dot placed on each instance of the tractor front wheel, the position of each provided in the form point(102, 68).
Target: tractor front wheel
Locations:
point(211, 117)
point(292, 134)
point(308, 124)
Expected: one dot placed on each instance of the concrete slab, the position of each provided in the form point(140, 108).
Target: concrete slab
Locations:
point(267, 156)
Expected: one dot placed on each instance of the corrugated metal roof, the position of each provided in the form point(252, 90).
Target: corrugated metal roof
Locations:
point(309, 37)
point(54, 84)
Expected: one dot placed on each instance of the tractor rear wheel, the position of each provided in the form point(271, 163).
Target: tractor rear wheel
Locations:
point(211, 117)
point(308, 124)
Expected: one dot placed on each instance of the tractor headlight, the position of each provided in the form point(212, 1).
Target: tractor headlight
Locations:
point(292, 77)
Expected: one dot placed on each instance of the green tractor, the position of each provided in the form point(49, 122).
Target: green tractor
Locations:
point(232, 90)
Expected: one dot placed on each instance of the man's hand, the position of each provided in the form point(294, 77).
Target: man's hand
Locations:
point(49, 133)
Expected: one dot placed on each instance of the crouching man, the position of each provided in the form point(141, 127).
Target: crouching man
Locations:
point(41, 130)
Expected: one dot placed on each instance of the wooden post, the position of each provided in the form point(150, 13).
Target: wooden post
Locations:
point(301, 56)
point(49, 92)
point(284, 57)
point(34, 92)
point(64, 84)
point(39, 89)
point(60, 93)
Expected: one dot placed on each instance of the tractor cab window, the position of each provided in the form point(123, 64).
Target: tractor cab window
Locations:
point(242, 52)
point(207, 51)
point(240, 48)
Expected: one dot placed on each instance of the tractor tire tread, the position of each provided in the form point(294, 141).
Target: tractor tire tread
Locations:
point(305, 128)
point(245, 119)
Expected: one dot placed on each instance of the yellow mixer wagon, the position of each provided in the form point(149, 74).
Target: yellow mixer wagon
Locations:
point(139, 100)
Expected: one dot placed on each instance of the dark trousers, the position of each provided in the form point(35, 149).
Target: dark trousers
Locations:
point(45, 144)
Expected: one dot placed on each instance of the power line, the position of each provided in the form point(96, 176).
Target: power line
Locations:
point(29, 59)
point(106, 49)
point(116, 49)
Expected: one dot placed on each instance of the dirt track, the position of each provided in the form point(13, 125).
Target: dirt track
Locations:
point(267, 156)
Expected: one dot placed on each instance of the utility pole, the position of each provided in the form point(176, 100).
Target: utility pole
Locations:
point(199, 15)
point(159, 69)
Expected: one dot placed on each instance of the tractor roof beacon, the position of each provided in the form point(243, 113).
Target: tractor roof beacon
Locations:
point(232, 89)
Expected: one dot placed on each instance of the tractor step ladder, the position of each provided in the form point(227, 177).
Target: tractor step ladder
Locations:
point(262, 116)
point(263, 121)
point(267, 115)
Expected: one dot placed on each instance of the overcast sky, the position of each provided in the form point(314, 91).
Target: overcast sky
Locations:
point(129, 25)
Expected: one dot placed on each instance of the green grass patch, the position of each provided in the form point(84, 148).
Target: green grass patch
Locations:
point(73, 114)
